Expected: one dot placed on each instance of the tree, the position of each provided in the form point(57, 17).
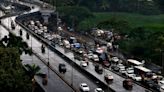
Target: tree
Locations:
point(33, 70)
point(73, 15)
point(120, 26)
point(15, 41)
point(104, 5)
point(12, 74)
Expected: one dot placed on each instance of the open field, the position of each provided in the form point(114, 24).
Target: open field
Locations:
point(153, 22)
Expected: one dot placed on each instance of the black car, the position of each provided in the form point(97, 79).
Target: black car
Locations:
point(149, 83)
point(156, 87)
point(62, 68)
point(98, 69)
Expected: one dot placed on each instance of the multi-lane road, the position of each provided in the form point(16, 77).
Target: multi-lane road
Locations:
point(54, 59)
point(73, 75)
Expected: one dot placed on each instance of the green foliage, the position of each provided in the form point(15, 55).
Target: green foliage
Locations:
point(33, 70)
point(139, 6)
point(153, 22)
point(72, 15)
point(17, 42)
point(114, 23)
point(144, 44)
point(12, 75)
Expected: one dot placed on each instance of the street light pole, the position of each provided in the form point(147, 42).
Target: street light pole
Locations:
point(72, 76)
point(162, 58)
point(48, 64)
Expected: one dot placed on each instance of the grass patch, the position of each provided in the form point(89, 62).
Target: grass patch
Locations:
point(154, 22)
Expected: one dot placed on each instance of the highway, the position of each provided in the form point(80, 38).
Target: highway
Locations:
point(78, 77)
point(54, 59)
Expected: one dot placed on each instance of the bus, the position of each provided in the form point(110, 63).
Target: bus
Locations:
point(143, 71)
point(132, 62)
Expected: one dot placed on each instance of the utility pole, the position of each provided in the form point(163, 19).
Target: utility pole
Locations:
point(162, 61)
point(48, 64)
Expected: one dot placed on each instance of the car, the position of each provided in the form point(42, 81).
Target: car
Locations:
point(115, 68)
point(62, 68)
point(95, 57)
point(98, 90)
point(149, 83)
point(78, 57)
point(122, 71)
point(115, 59)
point(84, 63)
point(130, 69)
point(106, 63)
point(162, 88)
point(84, 87)
point(129, 74)
point(161, 82)
point(90, 55)
point(128, 84)
point(108, 78)
point(136, 77)
point(121, 66)
point(157, 87)
point(98, 69)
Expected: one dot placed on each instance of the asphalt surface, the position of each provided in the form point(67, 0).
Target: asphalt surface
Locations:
point(54, 82)
point(54, 59)
point(52, 77)
point(77, 77)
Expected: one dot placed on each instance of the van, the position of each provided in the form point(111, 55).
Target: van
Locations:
point(66, 44)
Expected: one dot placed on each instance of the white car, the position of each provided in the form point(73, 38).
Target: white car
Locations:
point(84, 63)
point(122, 70)
point(84, 87)
point(130, 75)
point(98, 90)
point(89, 55)
point(121, 66)
point(95, 57)
point(136, 77)
point(161, 82)
point(130, 70)
point(162, 88)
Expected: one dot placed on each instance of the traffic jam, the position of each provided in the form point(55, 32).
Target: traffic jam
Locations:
point(99, 54)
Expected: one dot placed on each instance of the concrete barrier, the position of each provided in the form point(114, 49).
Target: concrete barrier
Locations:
point(45, 41)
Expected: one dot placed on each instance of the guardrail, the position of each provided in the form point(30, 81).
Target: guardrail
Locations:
point(45, 41)
point(44, 61)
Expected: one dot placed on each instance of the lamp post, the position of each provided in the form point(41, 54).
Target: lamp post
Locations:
point(162, 61)
point(48, 63)
point(72, 70)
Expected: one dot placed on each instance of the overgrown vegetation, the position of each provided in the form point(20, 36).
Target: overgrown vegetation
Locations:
point(12, 73)
point(151, 22)
point(139, 22)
